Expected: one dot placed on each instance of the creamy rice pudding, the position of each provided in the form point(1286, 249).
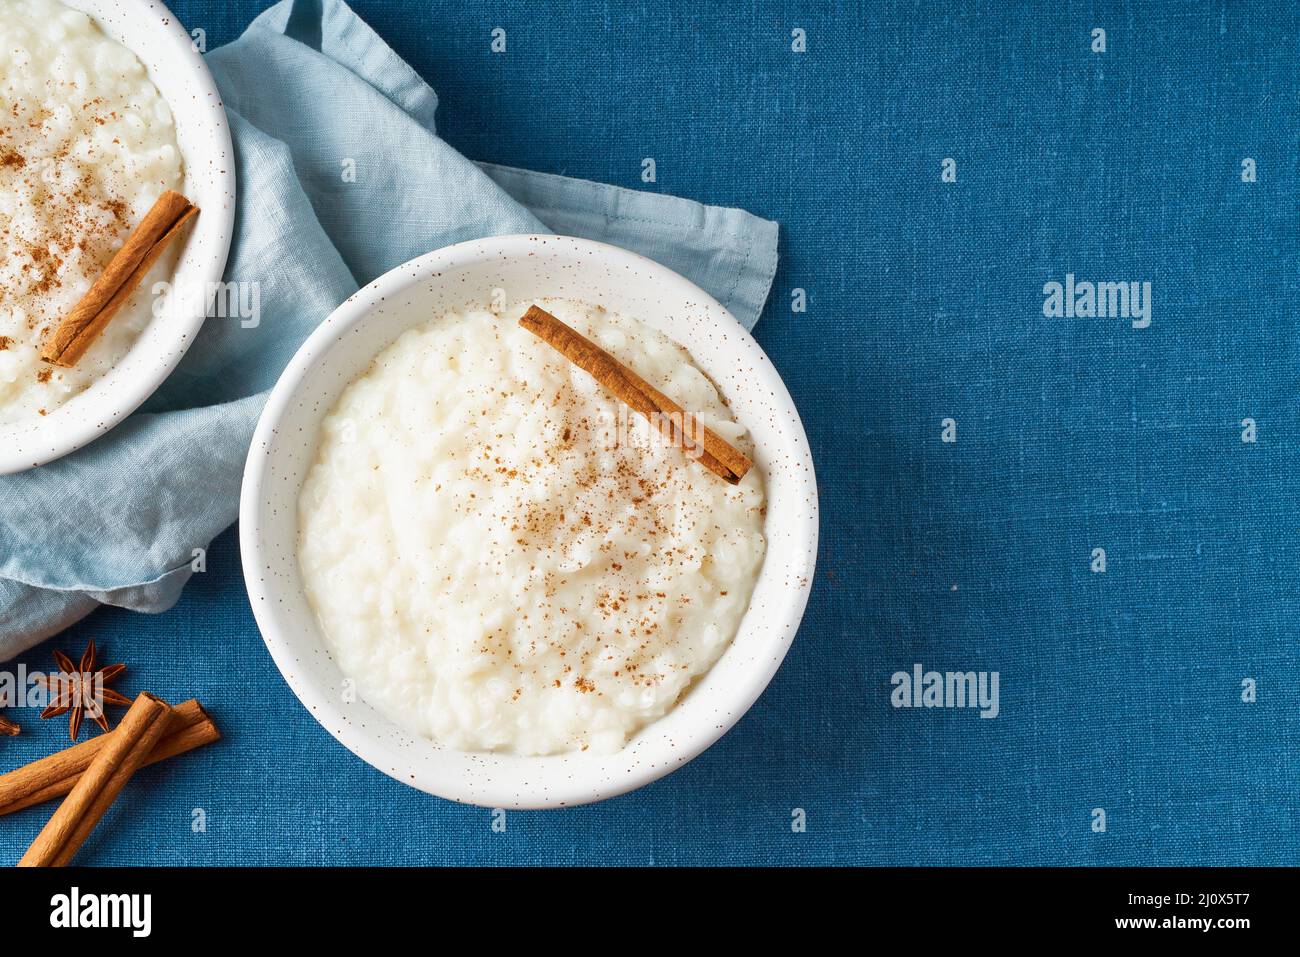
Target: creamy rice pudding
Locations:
point(87, 145)
point(502, 558)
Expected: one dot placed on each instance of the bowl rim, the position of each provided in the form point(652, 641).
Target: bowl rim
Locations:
point(261, 590)
point(58, 435)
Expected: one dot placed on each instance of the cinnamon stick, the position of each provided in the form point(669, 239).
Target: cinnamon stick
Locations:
point(717, 455)
point(54, 776)
point(104, 778)
point(124, 272)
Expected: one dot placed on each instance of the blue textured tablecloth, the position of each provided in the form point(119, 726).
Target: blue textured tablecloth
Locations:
point(1120, 690)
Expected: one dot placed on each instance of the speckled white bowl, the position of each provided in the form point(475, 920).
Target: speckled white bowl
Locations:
point(463, 276)
point(155, 36)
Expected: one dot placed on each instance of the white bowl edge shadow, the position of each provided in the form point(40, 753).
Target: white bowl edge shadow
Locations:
point(160, 42)
point(463, 276)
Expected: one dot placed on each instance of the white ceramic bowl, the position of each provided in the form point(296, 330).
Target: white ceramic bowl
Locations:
point(149, 30)
point(463, 276)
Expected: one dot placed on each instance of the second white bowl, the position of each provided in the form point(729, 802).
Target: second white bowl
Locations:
point(464, 276)
point(150, 31)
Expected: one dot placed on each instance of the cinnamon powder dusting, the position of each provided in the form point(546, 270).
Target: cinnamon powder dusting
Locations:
point(71, 180)
point(78, 224)
point(598, 560)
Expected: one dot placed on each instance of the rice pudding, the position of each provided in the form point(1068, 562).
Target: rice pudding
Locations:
point(87, 145)
point(501, 558)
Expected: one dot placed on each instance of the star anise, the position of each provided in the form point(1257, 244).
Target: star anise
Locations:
point(81, 690)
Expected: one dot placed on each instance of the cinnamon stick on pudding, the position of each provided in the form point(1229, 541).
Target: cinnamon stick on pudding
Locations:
point(112, 767)
point(717, 455)
point(55, 775)
point(124, 272)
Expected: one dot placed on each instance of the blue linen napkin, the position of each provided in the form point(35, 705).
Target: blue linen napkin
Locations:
point(312, 93)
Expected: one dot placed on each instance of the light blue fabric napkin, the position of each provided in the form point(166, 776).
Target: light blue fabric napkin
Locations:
point(312, 93)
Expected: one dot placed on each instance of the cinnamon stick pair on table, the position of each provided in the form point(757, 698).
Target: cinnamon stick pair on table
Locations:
point(92, 773)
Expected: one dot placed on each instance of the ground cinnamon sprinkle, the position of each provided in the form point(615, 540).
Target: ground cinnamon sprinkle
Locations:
point(82, 224)
point(5, 343)
point(78, 214)
point(549, 527)
point(74, 184)
point(599, 552)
